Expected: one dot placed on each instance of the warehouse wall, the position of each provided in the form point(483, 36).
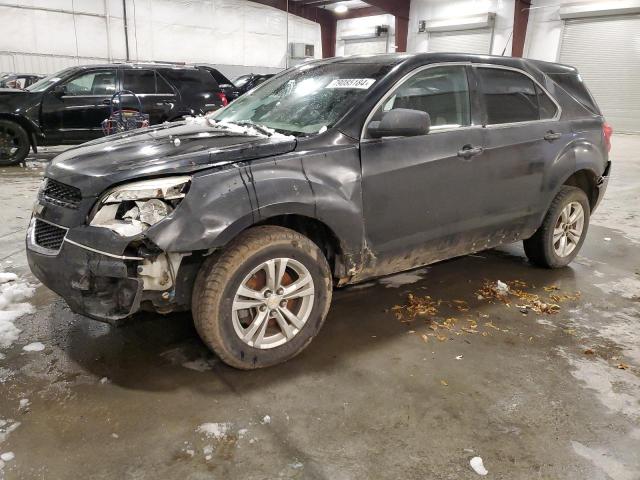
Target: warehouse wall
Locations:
point(363, 25)
point(451, 9)
point(43, 36)
point(545, 26)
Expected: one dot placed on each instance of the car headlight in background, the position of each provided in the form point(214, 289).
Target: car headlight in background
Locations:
point(132, 208)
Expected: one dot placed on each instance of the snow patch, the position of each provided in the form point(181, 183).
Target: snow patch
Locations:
point(478, 466)
point(625, 287)
point(200, 364)
point(214, 430)
point(407, 278)
point(7, 456)
point(6, 427)
point(602, 459)
point(34, 347)
point(13, 292)
point(265, 420)
point(7, 277)
point(616, 389)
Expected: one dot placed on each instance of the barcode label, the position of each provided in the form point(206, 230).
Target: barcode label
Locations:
point(361, 83)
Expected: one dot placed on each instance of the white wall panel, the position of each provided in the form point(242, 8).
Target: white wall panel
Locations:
point(364, 25)
point(452, 9)
point(44, 35)
point(91, 33)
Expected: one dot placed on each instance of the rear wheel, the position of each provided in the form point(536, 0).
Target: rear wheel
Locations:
point(14, 143)
point(263, 299)
point(559, 239)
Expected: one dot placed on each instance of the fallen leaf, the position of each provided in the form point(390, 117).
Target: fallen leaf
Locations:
point(588, 351)
point(444, 383)
point(622, 366)
point(425, 338)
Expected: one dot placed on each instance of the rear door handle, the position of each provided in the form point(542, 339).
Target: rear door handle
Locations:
point(468, 151)
point(550, 136)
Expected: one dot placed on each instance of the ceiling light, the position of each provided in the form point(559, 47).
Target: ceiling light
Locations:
point(341, 9)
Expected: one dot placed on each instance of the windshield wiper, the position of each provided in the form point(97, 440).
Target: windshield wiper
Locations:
point(260, 128)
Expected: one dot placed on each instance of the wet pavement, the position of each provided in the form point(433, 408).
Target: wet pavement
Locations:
point(377, 395)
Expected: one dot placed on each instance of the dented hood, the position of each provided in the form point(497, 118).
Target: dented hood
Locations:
point(176, 148)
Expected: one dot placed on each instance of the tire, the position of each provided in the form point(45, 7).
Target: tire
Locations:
point(541, 248)
point(14, 143)
point(216, 297)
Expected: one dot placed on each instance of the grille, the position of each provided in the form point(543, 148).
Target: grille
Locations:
point(61, 194)
point(48, 236)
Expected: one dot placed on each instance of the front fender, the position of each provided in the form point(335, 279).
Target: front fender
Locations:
point(224, 202)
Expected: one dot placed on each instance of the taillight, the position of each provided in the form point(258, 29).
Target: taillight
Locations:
point(607, 131)
point(223, 98)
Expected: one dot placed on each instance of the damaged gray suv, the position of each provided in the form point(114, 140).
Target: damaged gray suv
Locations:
point(329, 174)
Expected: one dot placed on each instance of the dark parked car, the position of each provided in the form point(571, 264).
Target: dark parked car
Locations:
point(227, 87)
point(18, 80)
point(69, 107)
point(330, 174)
point(244, 83)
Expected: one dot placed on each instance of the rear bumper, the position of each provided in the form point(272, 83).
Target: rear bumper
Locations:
point(602, 184)
point(97, 284)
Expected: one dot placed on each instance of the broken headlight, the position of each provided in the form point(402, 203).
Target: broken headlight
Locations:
point(132, 208)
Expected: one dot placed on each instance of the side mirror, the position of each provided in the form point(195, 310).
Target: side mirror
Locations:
point(60, 90)
point(400, 122)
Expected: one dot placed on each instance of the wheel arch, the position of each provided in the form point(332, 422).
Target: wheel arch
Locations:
point(303, 222)
point(33, 131)
point(587, 180)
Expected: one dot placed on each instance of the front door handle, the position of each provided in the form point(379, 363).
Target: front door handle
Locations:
point(550, 136)
point(469, 151)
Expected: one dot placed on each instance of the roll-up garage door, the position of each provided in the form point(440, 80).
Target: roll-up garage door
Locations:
point(366, 46)
point(606, 52)
point(477, 40)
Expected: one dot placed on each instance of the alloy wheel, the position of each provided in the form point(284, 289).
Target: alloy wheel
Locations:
point(9, 144)
point(568, 230)
point(273, 303)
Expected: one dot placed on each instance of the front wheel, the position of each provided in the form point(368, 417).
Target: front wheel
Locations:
point(558, 240)
point(14, 143)
point(263, 299)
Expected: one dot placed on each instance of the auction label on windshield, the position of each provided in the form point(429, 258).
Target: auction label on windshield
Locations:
point(362, 83)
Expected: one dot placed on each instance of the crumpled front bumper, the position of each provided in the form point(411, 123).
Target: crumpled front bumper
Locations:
point(99, 284)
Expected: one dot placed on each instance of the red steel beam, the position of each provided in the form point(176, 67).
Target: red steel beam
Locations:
point(520, 22)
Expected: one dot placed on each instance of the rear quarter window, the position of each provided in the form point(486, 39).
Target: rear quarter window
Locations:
point(191, 80)
point(572, 84)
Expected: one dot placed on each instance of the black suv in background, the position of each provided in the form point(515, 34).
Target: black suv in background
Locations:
point(69, 106)
point(227, 87)
point(332, 173)
point(18, 80)
point(244, 83)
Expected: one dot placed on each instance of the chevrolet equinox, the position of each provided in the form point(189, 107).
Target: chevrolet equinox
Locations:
point(331, 173)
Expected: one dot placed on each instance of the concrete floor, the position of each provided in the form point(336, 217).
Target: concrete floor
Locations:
point(369, 399)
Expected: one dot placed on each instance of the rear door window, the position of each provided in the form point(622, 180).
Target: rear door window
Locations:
point(140, 81)
point(193, 81)
point(509, 96)
point(162, 86)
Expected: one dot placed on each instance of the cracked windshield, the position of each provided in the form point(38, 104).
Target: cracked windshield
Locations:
point(307, 100)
